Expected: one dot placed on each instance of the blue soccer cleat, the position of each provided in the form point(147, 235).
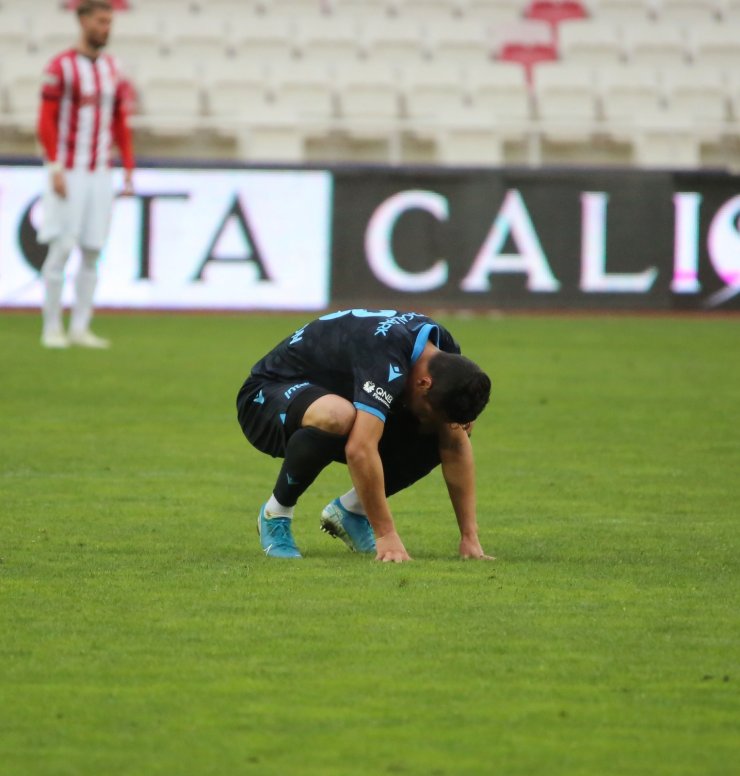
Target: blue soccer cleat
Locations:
point(276, 537)
point(353, 529)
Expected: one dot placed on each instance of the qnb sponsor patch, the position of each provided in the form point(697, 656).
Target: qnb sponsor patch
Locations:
point(378, 393)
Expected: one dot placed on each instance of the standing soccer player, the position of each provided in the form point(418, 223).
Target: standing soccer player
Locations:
point(387, 393)
point(82, 113)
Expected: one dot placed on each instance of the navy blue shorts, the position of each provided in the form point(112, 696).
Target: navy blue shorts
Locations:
point(270, 412)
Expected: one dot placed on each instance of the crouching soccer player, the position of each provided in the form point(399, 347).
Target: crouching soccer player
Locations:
point(385, 392)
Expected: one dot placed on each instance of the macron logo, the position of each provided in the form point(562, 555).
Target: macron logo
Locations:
point(393, 373)
point(259, 398)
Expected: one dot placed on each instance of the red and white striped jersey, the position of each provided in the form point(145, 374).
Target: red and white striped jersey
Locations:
point(82, 114)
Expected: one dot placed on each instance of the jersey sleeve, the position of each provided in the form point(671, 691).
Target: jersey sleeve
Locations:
point(120, 127)
point(52, 87)
point(380, 377)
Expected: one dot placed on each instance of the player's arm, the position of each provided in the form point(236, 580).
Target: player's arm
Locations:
point(366, 470)
point(458, 470)
point(122, 135)
point(47, 128)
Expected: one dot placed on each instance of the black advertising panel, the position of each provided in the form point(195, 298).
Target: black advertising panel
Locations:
point(565, 239)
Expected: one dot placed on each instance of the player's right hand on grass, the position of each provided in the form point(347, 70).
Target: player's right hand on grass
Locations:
point(390, 549)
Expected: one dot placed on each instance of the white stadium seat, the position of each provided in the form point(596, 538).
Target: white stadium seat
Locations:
point(458, 42)
point(590, 43)
point(655, 45)
point(53, 31)
point(717, 46)
point(622, 12)
point(263, 39)
point(201, 37)
point(499, 90)
point(305, 90)
point(431, 92)
point(629, 91)
point(687, 12)
point(493, 11)
point(330, 40)
point(171, 104)
point(442, 10)
point(398, 42)
point(565, 100)
point(697, 93)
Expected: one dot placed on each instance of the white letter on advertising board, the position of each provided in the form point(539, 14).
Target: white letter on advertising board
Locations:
point(686, 243)
point(513, 219)
point(594, 277)
point(379, 234)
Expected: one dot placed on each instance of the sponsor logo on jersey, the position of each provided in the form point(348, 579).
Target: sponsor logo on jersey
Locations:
point(259, 398)
point(293, 389)
point(393, 373)
point(378, 393)
point(397, 320)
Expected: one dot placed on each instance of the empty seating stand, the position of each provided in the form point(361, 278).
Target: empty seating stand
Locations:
point(457, 81)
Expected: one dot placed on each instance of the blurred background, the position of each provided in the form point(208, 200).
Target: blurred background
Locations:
point(648, 83)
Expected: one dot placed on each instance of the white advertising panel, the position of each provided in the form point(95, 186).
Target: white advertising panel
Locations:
point(189, 238)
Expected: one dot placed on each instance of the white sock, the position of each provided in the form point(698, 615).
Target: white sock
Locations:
point(85, 282)
point(273, 508)
point(53, 274)
point(351, 502)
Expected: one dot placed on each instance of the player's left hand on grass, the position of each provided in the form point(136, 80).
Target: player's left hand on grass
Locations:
point(470, 548)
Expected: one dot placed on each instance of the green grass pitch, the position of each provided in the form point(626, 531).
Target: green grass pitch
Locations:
point(142, 632)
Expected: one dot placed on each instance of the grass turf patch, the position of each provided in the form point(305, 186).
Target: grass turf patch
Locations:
point(141, 630)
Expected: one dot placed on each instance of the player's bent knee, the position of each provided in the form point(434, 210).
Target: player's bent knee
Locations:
point(330, 413)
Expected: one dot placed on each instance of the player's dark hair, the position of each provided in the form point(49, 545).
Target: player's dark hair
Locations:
point(87, 7)
point(460, 388)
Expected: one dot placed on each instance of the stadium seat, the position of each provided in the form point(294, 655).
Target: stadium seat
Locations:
point(305, 90)
point(273, 135)
point(698, 93)
point(528, 55)
point(458, 42)
point(22, 96)
point(431, 91)
point(730, 12)
point(236, 96)
point(628, 94)
point(200, 37)
point(716, 46)
point(687, 12)
point(298, 9)
point(369, 103)
point(655, 45)
point(590, 43)
point(14, 35)
point(330, 40)
point(53, 31)
point(263, 39)
point(555, 12)
point(171, 104)
point(429, 10)
point(499, 91)
point(493, 11)
point(362, 9)
point(623, 12)
point(398, 42)
point(566, 101)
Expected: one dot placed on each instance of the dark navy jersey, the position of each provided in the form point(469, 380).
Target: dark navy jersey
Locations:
point(363, 355)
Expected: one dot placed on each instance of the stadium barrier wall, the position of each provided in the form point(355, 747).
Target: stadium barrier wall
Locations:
point(248, 238)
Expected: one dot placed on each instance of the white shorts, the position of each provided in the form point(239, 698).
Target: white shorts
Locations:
point(84, 215)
